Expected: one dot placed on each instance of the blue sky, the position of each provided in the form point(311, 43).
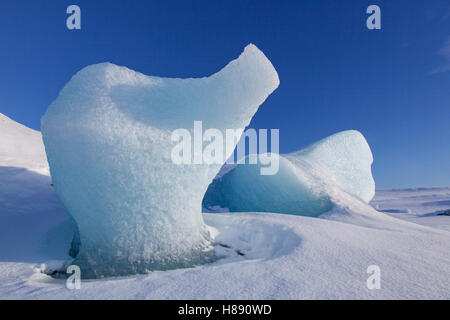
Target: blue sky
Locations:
point(391, 84)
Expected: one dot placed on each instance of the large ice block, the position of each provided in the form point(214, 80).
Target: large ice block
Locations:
point(108, 142)
point(305, 181)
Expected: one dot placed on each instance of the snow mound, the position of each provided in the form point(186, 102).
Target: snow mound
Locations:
point(108, 142)
point(251, 238)
point(305, 183)
point(263, 255)
point(21, 147)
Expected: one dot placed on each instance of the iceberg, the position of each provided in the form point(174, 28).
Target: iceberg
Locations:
point(108, 142)
point(305, 182)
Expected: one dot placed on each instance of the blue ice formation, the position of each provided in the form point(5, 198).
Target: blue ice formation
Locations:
point(305, 181)
point(108, 141)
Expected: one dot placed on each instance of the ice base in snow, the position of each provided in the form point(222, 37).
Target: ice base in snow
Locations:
point(108, 143)
point(305, 181)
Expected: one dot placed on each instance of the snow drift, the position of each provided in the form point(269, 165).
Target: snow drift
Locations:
point(304, 182)
point(108, 143)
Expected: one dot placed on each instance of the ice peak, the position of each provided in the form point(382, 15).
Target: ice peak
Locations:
point(108, 141)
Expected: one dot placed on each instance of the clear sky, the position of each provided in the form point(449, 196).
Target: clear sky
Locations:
point(391, 84)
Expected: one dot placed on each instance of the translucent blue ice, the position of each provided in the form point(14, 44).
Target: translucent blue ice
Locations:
point(108, 142)
point(305, 182)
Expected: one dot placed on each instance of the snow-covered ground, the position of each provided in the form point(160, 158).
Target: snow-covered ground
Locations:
point(265, 255)
point(425, 206)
